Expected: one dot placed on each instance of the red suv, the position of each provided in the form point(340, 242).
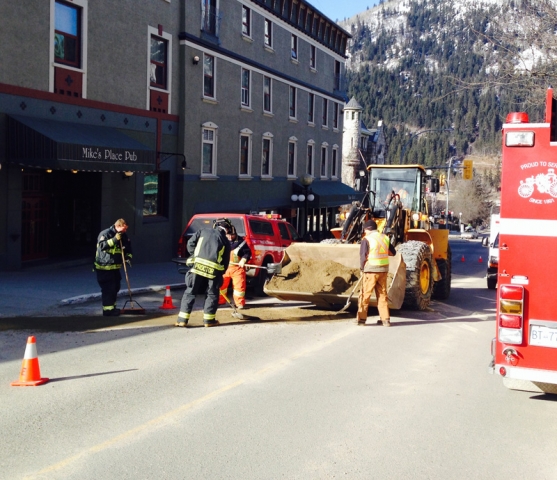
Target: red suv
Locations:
point(266, 235)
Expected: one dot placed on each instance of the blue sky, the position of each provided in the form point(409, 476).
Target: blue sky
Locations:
point(338, 9)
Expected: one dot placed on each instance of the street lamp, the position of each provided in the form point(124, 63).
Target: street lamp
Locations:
point(460, 222)
point(307, 196)
point(414, 135)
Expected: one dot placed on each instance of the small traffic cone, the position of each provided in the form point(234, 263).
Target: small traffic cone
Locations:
point(30, 375)
point(480, 259)
point(167, 301)
point(462, 258)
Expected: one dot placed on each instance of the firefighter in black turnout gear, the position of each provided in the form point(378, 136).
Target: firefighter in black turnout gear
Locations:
point(209, 251)
point(108, 262)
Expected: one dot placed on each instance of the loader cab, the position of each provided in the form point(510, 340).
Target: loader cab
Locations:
point(405, 183)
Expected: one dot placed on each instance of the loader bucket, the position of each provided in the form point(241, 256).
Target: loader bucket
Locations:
point(348, 256)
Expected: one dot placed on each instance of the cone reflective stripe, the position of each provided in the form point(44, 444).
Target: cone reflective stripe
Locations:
point(462, 259)
point(30, 374)
point(480, 260)
point(167, 301)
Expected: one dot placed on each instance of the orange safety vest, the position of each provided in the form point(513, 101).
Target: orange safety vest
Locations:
point(378, 255)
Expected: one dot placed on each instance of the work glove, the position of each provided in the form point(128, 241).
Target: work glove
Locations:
point(118, 236)
point(128, 261)
point(242, 263)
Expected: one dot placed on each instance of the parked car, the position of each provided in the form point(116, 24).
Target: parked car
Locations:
point(470, 234)
point(266, 235)
point(493, 264)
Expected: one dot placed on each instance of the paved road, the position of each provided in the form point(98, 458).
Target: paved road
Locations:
point(313, 398)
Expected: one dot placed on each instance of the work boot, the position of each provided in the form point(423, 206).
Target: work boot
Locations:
point(240, 307)
point(181, 323)
point(360, 321)
point(211, 323)
point(385, 323)
point(111, 313)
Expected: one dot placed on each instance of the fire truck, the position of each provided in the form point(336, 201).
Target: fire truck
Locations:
point(525, 347)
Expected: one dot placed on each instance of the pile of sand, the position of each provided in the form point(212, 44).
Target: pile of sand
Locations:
point(324, 276)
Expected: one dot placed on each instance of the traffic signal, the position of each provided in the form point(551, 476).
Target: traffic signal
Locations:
point(442, 180)
point(467, 169)
point(434, 185)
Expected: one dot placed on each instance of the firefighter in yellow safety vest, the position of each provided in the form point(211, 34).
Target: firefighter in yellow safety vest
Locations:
point(374, 265)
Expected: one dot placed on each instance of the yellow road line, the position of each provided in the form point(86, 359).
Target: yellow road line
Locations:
point(158, 421)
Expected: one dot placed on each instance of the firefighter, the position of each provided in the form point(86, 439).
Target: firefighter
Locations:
point(374, 264)
point(209, 251)
point(108, 262)
point(240, 254)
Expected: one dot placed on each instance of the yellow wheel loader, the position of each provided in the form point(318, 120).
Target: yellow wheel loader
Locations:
point(395, 199)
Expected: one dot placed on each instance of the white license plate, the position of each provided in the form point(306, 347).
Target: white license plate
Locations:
point(543, 336)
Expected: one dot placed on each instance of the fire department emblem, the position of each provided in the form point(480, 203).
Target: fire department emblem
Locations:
point(544, 182)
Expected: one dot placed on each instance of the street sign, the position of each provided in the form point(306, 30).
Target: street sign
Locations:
point(467, 169)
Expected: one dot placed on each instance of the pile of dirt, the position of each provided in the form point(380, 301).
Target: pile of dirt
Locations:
point(323, 276)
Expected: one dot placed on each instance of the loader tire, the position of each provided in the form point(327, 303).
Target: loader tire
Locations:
point(442, 288)
point(419, 278)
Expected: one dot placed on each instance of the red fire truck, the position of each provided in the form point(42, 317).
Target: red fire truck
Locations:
point(525, 348)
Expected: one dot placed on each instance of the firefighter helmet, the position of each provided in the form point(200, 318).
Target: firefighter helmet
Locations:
point(224, 224)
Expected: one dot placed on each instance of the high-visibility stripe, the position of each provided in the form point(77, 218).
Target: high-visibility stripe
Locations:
point(238, 293)
point(30, 351)
point(209, 316)
point(528, 227)
point(184, 315)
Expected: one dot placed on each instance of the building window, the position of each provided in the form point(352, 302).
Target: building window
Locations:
point(291, 168)
point(245, 152)
point(67, 34)
point(309, 165)
point(246, 21)
point(268, 33)
point(245, 87)
point(267, 95)
point(209, 17)
point(155, 194)
point(267, 155)
point(335, 115)
point(312, 57)
point(208, 76)
point(323, 169)
point(334, 162)
point(292, 102)
point(158, 74)
point(311, 108)
point(325, 111)
point(337, 75)
point(209, 151)
point(294, 47)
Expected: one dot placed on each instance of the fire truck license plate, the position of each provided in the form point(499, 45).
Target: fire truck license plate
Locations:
point(543, 336)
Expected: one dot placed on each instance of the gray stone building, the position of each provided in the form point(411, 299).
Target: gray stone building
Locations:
point(153, 110)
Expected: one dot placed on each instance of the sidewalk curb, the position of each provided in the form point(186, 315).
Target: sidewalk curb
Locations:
point(92, 296)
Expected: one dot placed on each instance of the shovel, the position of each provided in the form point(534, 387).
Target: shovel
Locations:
point(235, 313)
point(343, 309)
point(139, 310)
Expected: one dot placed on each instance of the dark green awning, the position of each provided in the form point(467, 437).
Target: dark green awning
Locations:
point(43, 143)
point(331, 194)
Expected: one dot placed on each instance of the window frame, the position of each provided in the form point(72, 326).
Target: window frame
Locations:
point(78, 38)
point(336, 116)
point(323, 162)
point(334, 162)
point(245, 154)
point(310, 157)
point(162, 195)
point(210, 21)
point(213, 128)
point(164, 66)
point(294, 47)
point(325, 113)
point(245, 99)
point(246, 21)
point(268, 95)
point(213, 77)
point(313, 57)
point(268, 33)
point(311, 108)
point(292, 158)
point(292, 102)
point(267, 137)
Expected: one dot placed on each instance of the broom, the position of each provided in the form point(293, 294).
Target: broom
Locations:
point(139, 310)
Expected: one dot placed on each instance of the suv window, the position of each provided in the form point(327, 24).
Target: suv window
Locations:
point(259, 227)
point(496, 242)
point(207, 222)
point(293, 233)
point(283, 231)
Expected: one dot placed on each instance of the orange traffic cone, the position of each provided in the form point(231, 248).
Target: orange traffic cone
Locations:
point(167, 302)
point(30, 375)
point(480, 259)
point(462, 258)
